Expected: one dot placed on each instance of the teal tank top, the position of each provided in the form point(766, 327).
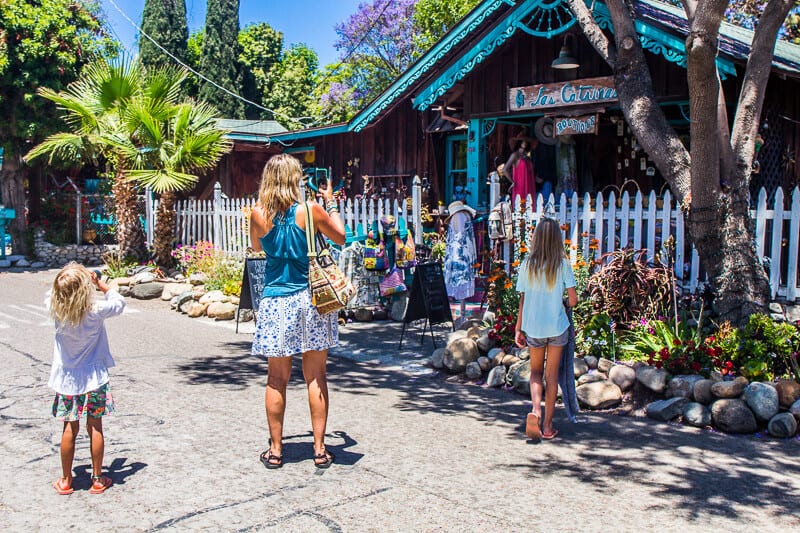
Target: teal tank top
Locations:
point(287, 256)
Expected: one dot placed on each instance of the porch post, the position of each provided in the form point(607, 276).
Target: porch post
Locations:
point(475, 163)
point(416, 208)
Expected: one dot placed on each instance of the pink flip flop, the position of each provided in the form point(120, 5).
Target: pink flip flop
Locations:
point(100, 484)
point(61, 489)
point(550, 436)
point(532, 430)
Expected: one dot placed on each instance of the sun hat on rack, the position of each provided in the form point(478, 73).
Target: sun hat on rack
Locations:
point(545, 131)
point(457, 207)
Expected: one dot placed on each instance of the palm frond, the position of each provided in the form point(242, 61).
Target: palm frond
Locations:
point(62, 147)
point(164, 84)
point(162, 180)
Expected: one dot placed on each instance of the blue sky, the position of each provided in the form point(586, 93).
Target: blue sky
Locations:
point(301, 21)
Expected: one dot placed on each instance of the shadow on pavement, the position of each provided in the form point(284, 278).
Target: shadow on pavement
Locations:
point(118, 471)
point(338, 442)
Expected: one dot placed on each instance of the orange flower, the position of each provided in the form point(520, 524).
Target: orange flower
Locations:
point(476, 265)
point(594, 241)
point(565, 227)
point(508, 285)
point(567, 242)
point(515, 264)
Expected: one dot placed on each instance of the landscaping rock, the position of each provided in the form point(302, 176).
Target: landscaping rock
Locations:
point(213, 296)
point(651, 377)
point(622, 376)
point(144, 277)
point(579, 367)
point(762, 400)
point(509, 360)
point(733, 416)
point(198, 291)
point(147, 291)
point(124, 291)
point(497, 360)
point(682, 386)
point(782, 425)
point(599, 395)
point(793, 313)
point(485, 363)
point(524, 354)
point(187, 305)
point(696, 414)
point(715, 376)
point(519, 377)
point(234, 300)
point(22, 263)
point(484, 343)
point(363, 315)
point(195, 309)
point(666, 410)
point(38, 264)
point(454, 335)
point(701, 392)
point(198, 278)
point(221, 310)
point(496, 377)
point(172, 290)
point(5, 263)
point(122, 281)
point(474, 371)
point(459, 354)
point(591, 377)
point(183, 297)
point(605, 365)
point(469, 323)
point(729, 389)
point(245, 315)
point(591, 361)
point(437, 358)
point(795, 410)
point(380, 314)
point(788, 392)
point(493, 353)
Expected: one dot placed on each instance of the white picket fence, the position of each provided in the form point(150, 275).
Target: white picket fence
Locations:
point(641, 222)
point(648, 223)
point(224, 221)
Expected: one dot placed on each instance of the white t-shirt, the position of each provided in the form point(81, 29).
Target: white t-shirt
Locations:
point(543, 313)
point(81, 357)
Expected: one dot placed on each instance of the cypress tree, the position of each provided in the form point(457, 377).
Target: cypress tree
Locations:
point(165, 22)
point(220, 59)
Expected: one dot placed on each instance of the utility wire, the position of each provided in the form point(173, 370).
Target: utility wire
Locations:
point(204, 78)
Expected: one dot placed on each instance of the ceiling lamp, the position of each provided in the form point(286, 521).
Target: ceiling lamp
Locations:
point(565, 59)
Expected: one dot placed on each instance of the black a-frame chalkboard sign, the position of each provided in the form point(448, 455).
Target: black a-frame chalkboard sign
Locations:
point(252, 286)
point(427, 300)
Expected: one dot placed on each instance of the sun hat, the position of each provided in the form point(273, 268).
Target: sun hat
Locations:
point(545, 131)
point(457, 207)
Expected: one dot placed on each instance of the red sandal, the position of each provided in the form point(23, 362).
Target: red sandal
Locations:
point(532, 430)
point(62, 488)
point(100, 484)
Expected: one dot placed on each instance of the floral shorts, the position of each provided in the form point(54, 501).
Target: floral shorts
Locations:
point(93, 404)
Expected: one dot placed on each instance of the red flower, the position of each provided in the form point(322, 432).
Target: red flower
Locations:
point(664, 352)
point(659, 364)
point(718, 352)
point(676, 342)
point(696, 366)
point(728, 365)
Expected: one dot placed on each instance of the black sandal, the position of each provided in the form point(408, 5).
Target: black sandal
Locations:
point(270, 460)
point(328, 459)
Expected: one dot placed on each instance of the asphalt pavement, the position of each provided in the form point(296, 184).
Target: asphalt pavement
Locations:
point(414, 452)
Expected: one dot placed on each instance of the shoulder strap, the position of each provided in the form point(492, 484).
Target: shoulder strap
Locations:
point(310, 241)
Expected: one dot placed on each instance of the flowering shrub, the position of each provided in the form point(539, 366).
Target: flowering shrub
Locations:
point(597, 337)
point(504, 302)
point(198, 258)
point(223, 273)
point(768, 349)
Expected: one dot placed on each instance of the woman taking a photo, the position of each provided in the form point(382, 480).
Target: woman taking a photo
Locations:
point(287, 322)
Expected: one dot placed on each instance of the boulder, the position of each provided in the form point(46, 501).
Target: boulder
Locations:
point(682, 386)
point(591, 377)
point(5, 263)
point(519, 377)
point(788, 392)
point(187, 305)
point(666, 410)
point(198, 291)
point(729, 389)
point(524, 354)
point(599, 395)
point(715, 376)
point(605, 365)
point(38, 264)
point(195, 309)
point(233, 299)
point(182, 298)
point(497, 360)
point(762, 400)
point(732, 415)
point(622, 376)
point(474, 371)
point(795, 410)
point(696, 414)
point(782, 425)
point(474, 332)
point(469, 323)
point(459, 354)
point(457, 334)
point(147, 291)
point(172, 290)
point(591, 361)
point(213, 296)
point(245, 315)
point(701, 392)
point(484, 343)
point(485, 363)
point(144, 277)
point(363, 315)
point(651, 377)
point(579, 367)
point(496, 377)
point(509, 360)
point(198, 278)
point(493, 353)
point(221, 310)
point(124, 291)
point(793, 313)
point(437, 358)
point(775, 307)
point(122, 281)
point(380, 314)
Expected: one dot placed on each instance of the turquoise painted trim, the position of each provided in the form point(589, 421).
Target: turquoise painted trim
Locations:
point(249, 138)
point(427, 62)
point(307, 134)
point(476, 162)
point(298, 149)
point(488, 126)
point(485, 47)
point(548, 19)
point(659, 42)
point(448, 182)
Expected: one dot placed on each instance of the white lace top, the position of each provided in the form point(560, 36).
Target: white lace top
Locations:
point(81, 356)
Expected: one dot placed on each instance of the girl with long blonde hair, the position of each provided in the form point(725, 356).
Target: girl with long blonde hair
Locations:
point(287, 323)
point(542, 322)
point(81, 359)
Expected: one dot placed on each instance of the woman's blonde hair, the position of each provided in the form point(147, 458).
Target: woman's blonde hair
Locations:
point(547, 251)
point(280, 185)
point(72, 296)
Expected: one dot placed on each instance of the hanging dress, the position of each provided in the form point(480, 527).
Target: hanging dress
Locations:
point(525, 180)
point(461, 255)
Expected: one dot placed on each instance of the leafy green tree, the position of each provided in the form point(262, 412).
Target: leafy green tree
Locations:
point(165, 22)
point(433, 18)
point(261, 48)
point(291, 84)
point(43, 43)
point(220, 59)
point(194, 51)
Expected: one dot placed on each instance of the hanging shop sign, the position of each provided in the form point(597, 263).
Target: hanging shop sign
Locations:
point(562, 94)
point(575, 125)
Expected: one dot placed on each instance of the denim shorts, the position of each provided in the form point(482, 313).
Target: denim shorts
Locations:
point(559, 340)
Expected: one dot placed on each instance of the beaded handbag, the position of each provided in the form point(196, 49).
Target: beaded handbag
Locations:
point(331, 289)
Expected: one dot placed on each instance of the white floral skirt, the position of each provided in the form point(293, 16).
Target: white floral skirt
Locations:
point(288, 325)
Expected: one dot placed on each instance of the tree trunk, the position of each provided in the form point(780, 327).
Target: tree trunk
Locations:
point(12, 191)
point(165, 230)
point(130, 234)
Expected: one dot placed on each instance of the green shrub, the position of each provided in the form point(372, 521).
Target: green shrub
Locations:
point(768, 349)
point(596, 337)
